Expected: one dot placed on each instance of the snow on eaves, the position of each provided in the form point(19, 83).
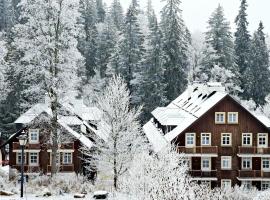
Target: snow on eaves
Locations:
point(155, 138)
point(263, 119)
point(82, 138)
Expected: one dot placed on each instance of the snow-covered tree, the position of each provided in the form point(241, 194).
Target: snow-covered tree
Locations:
point(119, 130)
point(100, 11)
point(116, 14)
point(3, 52)
point(158, 176)
point(242, 44)
point(153, 87)
point(87, 42)
point(175, 48)
point(50, 58)
point(257, 75)
point(218, 55)
point(132, 51)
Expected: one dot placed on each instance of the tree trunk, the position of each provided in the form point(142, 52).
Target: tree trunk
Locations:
point(54, 133)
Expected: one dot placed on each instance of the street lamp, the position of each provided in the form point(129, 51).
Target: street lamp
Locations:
point(22, 140)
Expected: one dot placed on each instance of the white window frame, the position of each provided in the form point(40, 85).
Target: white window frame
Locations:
point(262, 165)
point(17, 158)
point(246, 159)
point(223, 135)
point(194, 139)
point(217, 119)
point(229, 119)
point(29, 159)
point(224, 183)
point(204, 135)
point(265, 183)
point(262, 135)
point(63, 158)
point(229, 158)
point(251, 141)
point(209, 161)
point(31, 131)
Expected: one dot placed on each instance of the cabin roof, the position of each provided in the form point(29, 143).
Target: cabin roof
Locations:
point(193, 103)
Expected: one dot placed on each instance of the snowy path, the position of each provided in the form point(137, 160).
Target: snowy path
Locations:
point(32, 197)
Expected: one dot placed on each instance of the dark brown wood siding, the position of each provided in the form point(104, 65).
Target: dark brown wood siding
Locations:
point(206, 124)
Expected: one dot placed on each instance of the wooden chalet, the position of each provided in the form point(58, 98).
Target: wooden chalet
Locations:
point(77, 119)
point(225, 143)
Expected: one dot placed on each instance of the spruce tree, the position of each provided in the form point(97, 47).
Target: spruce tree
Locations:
point(219, 49)
point(132, 51)
point(100, 11)
point(153, 86)
point(116, 14)
point(175, 48)
point(242, 45)
point(87, 42)
point(257, 75)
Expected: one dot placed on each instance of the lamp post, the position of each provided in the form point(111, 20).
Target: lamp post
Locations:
point(22, 140)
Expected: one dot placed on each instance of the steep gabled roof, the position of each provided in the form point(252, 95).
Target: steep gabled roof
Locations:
point(187, 109)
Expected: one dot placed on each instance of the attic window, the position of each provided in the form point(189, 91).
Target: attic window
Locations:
point(211, 94)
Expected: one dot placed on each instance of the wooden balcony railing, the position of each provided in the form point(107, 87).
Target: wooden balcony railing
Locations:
point(253, 150)
point(198, 150)
point(62, 168)
point(200, 173)
point(28, 169)
point(253, 174)
point(63, 146)
point(16, 145)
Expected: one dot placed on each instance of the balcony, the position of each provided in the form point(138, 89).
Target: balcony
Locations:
point(28, 169)
point(253, 150)
point(253, 174)
point(199, 150)
point(200, 173)
point(63, 146)
point(16, 146)
point(62, 168)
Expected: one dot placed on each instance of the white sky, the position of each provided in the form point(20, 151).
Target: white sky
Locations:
point(197, 12)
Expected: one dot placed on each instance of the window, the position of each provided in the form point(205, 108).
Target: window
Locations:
point(190, 139)
point(232, 118)
point(226, 162)
point(33, 159)
point(247, 139)
point(206, 164)
point(225, 183)
point(67, 158)
point(265, 185)
point(19, 158)
point(220, 117)
point(33, 136)
point(262, 140)
point(266, 164)
point(246, 163)
point(226, 139)
point(205, 139)
point(247, 184)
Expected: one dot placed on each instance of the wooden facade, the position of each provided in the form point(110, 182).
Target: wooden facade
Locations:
point(217, 153)
point(41, 149)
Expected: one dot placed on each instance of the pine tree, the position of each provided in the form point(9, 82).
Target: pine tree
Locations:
point(100, 11)
point(219, 49)
point(153, 84)
point(87, 42)
point(175, 47)
point(132, 51)
point(257, 75)
point(116, 14)
point(242, 45)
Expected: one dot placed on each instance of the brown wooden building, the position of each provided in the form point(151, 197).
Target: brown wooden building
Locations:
point(77, 119)
point(225, 143)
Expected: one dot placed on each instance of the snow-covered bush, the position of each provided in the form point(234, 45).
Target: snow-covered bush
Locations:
point(160, 176)
point(68, 183)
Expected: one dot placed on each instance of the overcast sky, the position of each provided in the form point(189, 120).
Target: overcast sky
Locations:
point(197, 12)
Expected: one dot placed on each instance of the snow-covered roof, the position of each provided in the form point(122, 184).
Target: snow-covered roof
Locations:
point(185, 110)
point(154, 136)
point(77, 110)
